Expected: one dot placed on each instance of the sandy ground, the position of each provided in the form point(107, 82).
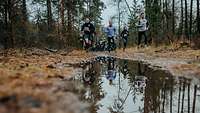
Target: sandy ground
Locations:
point(38, 81)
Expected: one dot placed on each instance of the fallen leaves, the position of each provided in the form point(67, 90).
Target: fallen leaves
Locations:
point(29, 76)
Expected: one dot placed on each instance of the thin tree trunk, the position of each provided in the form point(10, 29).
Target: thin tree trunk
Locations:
point(179, 97)
point(167, 15)
point(24, 11)
point(10, 25)
point(173, 20)
point(194, 99)
point(186, 20)
point(62, 16)
point(128, 6)
point(198, 17)
point(183, 98)
point(6, 25)
point(181, 24)
point(191, 6)
point(164, 97)
point(188, 97)
point(69, 21)
point(171, 96)
point(49, 15)
point(24, 23)
point(119, 21)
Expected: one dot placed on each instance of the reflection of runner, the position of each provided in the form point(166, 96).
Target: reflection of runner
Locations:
point(140, 80)
point(140, 83)
point(125, 69)
point(89, 75)
point(111, 73)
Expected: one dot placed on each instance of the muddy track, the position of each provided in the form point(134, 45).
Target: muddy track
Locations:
point(176, 66)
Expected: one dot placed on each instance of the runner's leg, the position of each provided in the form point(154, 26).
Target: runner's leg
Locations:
point(139, 38)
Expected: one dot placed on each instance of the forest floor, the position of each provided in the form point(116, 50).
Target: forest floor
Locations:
point(179, 62)
point(38, 81)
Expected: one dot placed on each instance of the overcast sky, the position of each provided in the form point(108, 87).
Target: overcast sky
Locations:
point(111, 10)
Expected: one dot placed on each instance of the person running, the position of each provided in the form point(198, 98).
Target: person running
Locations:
point(143, 26)
point(110, 31)
point(88, 31)
point(124, 35)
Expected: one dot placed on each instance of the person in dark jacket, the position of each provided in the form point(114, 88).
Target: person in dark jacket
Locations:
point(88, 31)
point(124, 35)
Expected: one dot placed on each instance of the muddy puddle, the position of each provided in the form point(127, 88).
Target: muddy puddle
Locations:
point(121, 86)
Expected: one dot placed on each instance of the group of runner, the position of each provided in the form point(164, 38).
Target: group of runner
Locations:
point(88, 33)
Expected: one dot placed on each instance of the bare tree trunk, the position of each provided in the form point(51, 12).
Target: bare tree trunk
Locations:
point(164, 97)
point(24, 11)
point(62, 16)
point(179, 97)
point(183, 98)
point(186, 20)
point(10, 25)
point(181, 24)
point(171, 96)
point(198, 17)
point(191, 6)
point(49, 16)
point(119, 21)
point(167, 15)
point(194, 99)
point(69, 21)
point(6, 25)
point(173, 21)
point(128, 6)
point(24, 23)
point(188, 97)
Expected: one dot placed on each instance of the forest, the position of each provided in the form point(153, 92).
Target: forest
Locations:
point(99, 56)
point(38, 23)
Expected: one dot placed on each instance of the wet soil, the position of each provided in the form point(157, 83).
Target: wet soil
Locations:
point(114, 85)
point(40, 81)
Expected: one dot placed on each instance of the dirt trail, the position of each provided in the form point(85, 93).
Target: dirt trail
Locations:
point(182, 62)
point(38, 81)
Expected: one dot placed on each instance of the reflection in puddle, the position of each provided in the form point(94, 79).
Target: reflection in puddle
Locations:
point(122, 86)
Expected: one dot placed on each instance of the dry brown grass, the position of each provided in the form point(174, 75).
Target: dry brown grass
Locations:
point(34, 73)
point(167, 52)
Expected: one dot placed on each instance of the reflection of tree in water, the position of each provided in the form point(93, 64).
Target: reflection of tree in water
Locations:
point(119, 102)
point(163, 93)
point(112, 68)
point(160, 94)
point(157, 88)
point(95, 90)
point(132, 70)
